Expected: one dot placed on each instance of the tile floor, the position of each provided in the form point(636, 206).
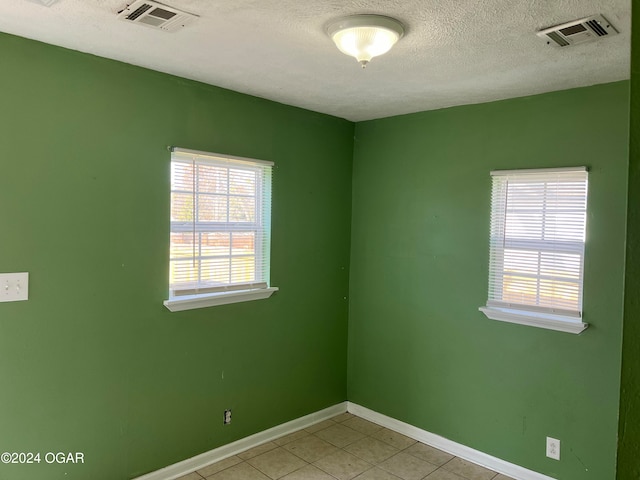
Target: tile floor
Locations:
point(345, 447)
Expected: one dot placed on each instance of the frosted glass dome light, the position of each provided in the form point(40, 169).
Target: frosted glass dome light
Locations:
point(365, 36)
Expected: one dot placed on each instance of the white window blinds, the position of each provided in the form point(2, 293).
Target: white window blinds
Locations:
point(220, 223)
point(538, 220)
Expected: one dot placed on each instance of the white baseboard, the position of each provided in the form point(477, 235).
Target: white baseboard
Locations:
point(449, 446)
point(207, 458)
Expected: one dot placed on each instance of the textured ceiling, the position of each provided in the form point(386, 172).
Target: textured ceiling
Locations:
point(454, 52)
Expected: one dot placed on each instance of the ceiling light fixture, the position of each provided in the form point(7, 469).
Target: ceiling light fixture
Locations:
point(365, 36)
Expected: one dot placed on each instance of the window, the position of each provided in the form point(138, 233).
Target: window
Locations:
point(220, 230)
point(538, 220)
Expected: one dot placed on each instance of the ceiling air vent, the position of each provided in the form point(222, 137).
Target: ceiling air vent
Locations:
point(578, 31)
point(156, 15)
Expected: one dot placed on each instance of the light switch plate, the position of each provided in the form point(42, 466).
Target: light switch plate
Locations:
point(14, 287)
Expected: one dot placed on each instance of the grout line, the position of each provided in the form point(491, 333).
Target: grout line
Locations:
point(342, 449)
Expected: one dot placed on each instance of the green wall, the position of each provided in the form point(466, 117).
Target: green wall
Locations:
point(419, 349)
point(93, 362)
point(629, 432)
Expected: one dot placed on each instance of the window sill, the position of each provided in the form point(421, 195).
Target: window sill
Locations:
point(559, 323)
point(190, 302)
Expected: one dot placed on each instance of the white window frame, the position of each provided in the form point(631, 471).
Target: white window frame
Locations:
point(187, 297)
point(551, 318)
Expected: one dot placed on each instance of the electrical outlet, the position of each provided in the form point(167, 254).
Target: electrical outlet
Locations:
point(227, 417)
point(553, 448)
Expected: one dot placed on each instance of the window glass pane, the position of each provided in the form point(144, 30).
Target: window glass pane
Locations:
point(242, 209)
point(564, 225)
point(244, 243)
point(182, 245)
point(212, 208)
point(558, 294)
point(181, 207)
point(560, 265)
point(518, 289)
point(243, 269)
point(215, 271)
point(182, 176)
point(215, 244)
point(212, 179)
point(522, 224)
point(184, 272)
point(520, 261)
point(242, 182)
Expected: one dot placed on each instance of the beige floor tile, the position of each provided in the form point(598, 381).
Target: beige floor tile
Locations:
point(310, 448)
point(190, 476)
point(442, 474)
point(371, 450)
point(342, 417)
point(219, 466)
point(308, 473)
point(345, 447)
point(343, 465)
point(394, 439)
point(339, 435)
point(377, 474)
point(469, 470)
point(320, 426)
point(429, 454)
point(241, 471)
point(407, 467)
point(276, 463)
point(259, 450)
point(361, 425)
point(291, 437)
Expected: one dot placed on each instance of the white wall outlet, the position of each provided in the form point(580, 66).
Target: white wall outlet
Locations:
point(227, 417)
point(553, 448)
point(14, 287)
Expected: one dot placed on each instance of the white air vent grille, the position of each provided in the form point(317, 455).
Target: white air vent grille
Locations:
point(156, 15)
point(578, 31)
